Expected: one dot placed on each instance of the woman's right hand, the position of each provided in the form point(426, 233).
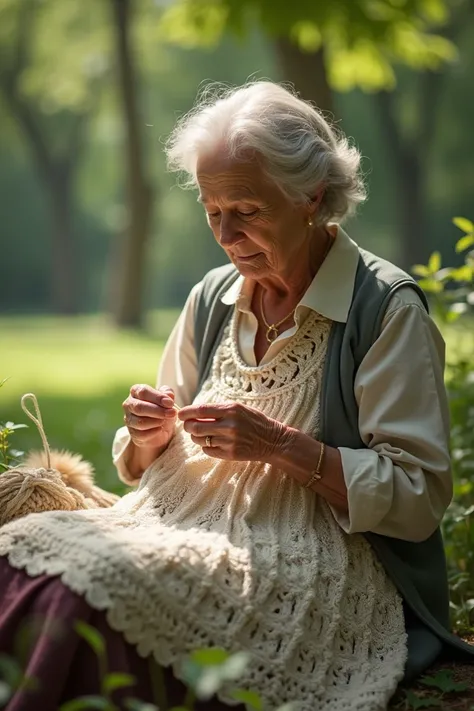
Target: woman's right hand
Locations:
point(150, 416)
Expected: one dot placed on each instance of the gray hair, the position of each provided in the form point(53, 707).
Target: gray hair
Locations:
point(300, 151)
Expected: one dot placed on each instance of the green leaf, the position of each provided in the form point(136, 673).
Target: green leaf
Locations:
point(421, 270)
point(307, 35)
point(210, 657)
point(10, 670)
point(434, 263)
point(5, 690)
point(206, 680)
point(464, 243)
point(93, 638)
point(443, 680)
point(117, 680)
point(136, 705)
point(209, 682)
point(251, 698)
point(464, 224)
point(87, 702)
point(431, 286)
point(235, 665)
point(2, 382)
point(462, 273)
point(416, 702)
point(451, 316)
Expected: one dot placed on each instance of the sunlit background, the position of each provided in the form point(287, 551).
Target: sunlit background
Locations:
point(99, 248)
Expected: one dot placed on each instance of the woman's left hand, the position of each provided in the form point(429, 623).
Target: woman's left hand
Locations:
point(234, 431)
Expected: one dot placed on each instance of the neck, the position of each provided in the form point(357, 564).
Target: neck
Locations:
point(290, 285)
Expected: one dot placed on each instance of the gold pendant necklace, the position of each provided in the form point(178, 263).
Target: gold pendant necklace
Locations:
point(272, 328)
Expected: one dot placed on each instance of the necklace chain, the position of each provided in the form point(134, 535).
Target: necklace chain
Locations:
point(272, 328)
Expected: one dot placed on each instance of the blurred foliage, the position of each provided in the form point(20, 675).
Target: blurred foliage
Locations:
point(452, 294)
point(361, 38)
point(182, 249)
point(204, 672)
point(451, 288)
point(8, 456)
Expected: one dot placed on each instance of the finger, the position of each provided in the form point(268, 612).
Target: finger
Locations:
point(203, 412)
point(216, 443)
point(163, 397)
point(141, 408)
point(143, 437)
point(140, 423)
point(204, 428)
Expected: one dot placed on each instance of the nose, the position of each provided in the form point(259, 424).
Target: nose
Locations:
point(228, 232)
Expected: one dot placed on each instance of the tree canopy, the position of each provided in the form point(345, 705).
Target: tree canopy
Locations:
point(362, 39)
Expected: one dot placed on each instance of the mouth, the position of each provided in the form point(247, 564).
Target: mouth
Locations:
point(248, 258)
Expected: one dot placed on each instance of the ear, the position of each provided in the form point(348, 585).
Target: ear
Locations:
point(316, 200)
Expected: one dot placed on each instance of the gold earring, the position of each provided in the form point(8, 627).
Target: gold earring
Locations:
point(310, 222)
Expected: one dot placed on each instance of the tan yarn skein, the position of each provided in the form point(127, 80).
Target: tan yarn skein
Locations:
point(25, 490)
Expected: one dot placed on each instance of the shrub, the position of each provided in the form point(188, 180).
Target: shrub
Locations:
point(452, 293)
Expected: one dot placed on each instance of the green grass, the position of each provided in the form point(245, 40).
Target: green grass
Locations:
point(81, 370)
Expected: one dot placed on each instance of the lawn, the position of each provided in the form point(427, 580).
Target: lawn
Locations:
point(81, 370)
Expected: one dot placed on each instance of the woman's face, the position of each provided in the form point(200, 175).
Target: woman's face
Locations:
point(263, 233)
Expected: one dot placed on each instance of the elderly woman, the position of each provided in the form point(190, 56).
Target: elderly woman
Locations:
point(292, 464)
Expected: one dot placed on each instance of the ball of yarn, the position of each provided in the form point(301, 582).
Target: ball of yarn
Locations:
point(25, 490)
point(75, 472)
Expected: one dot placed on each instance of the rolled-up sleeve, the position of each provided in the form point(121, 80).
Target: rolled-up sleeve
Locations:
point(178, 370)
point(401, 485)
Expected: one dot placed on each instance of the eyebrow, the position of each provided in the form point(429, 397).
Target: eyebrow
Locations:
point(236, 196)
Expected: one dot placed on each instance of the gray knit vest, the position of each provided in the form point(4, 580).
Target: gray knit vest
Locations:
point(417, 569)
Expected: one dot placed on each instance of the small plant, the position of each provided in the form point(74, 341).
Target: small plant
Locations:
point(452, 292)
point(8, 456)
point(442, 682)
point(449, 304)
point(12, 678)
point(413, 701)
point(205, 672)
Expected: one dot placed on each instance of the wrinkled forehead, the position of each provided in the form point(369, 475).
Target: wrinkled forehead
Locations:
point(221, 175)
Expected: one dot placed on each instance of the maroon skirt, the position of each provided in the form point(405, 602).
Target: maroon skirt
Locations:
point(36, 628)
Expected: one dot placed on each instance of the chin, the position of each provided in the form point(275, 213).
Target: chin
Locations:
point(254, 269)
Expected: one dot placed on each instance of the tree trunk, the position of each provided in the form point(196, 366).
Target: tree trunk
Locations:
point(408, 165)
point(64, 271)
point(57, 176)
point(128, 306)
point(307, 71)
point(412, 211)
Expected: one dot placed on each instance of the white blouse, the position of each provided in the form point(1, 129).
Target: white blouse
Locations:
point(401, 485)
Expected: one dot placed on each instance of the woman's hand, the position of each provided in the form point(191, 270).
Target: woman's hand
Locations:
point(150, 416)
point(237, 432)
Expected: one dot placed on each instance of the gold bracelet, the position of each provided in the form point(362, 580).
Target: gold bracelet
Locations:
point(316, 475)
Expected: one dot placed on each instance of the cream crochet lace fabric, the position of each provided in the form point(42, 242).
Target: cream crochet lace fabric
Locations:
point(236, 554)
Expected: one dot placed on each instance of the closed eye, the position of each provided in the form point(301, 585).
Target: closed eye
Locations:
point(241, 213)
point(248, 214)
